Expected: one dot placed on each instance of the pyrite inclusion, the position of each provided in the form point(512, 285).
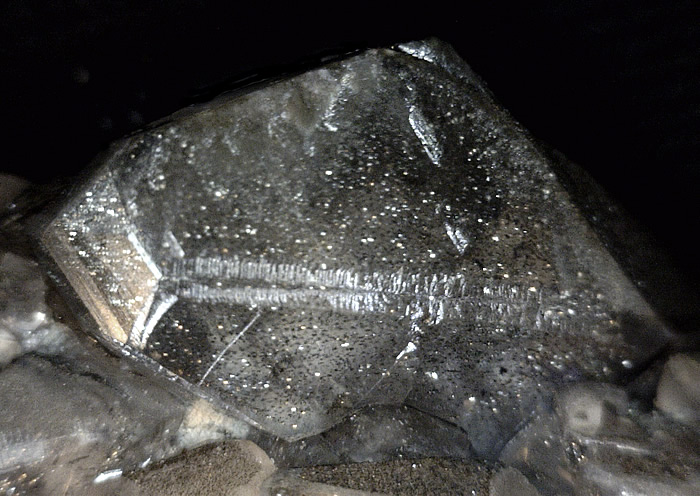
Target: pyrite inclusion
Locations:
point(373, 232)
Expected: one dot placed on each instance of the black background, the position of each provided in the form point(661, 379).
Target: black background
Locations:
point(613, 85)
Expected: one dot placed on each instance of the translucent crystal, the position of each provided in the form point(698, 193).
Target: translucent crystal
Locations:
point(373, 233)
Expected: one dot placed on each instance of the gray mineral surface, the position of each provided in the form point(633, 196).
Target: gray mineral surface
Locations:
point(366, 278)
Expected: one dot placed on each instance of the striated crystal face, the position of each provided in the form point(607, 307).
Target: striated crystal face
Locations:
point(375, 232)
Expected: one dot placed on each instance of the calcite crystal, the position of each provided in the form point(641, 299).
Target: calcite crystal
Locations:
point(376, 232)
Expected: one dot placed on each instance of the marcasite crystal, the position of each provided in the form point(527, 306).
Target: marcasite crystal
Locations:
point(373, 233)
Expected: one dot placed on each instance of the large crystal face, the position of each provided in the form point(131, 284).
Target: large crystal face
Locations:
point(375, 232)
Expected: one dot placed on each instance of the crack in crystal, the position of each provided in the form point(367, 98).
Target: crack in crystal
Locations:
point(228, 347)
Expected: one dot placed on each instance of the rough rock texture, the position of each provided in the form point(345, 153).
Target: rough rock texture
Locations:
point(598, 442)
point(71, 414)
point(235, 468)
point(407, 477)
point(678, 393)
point(373, 233)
